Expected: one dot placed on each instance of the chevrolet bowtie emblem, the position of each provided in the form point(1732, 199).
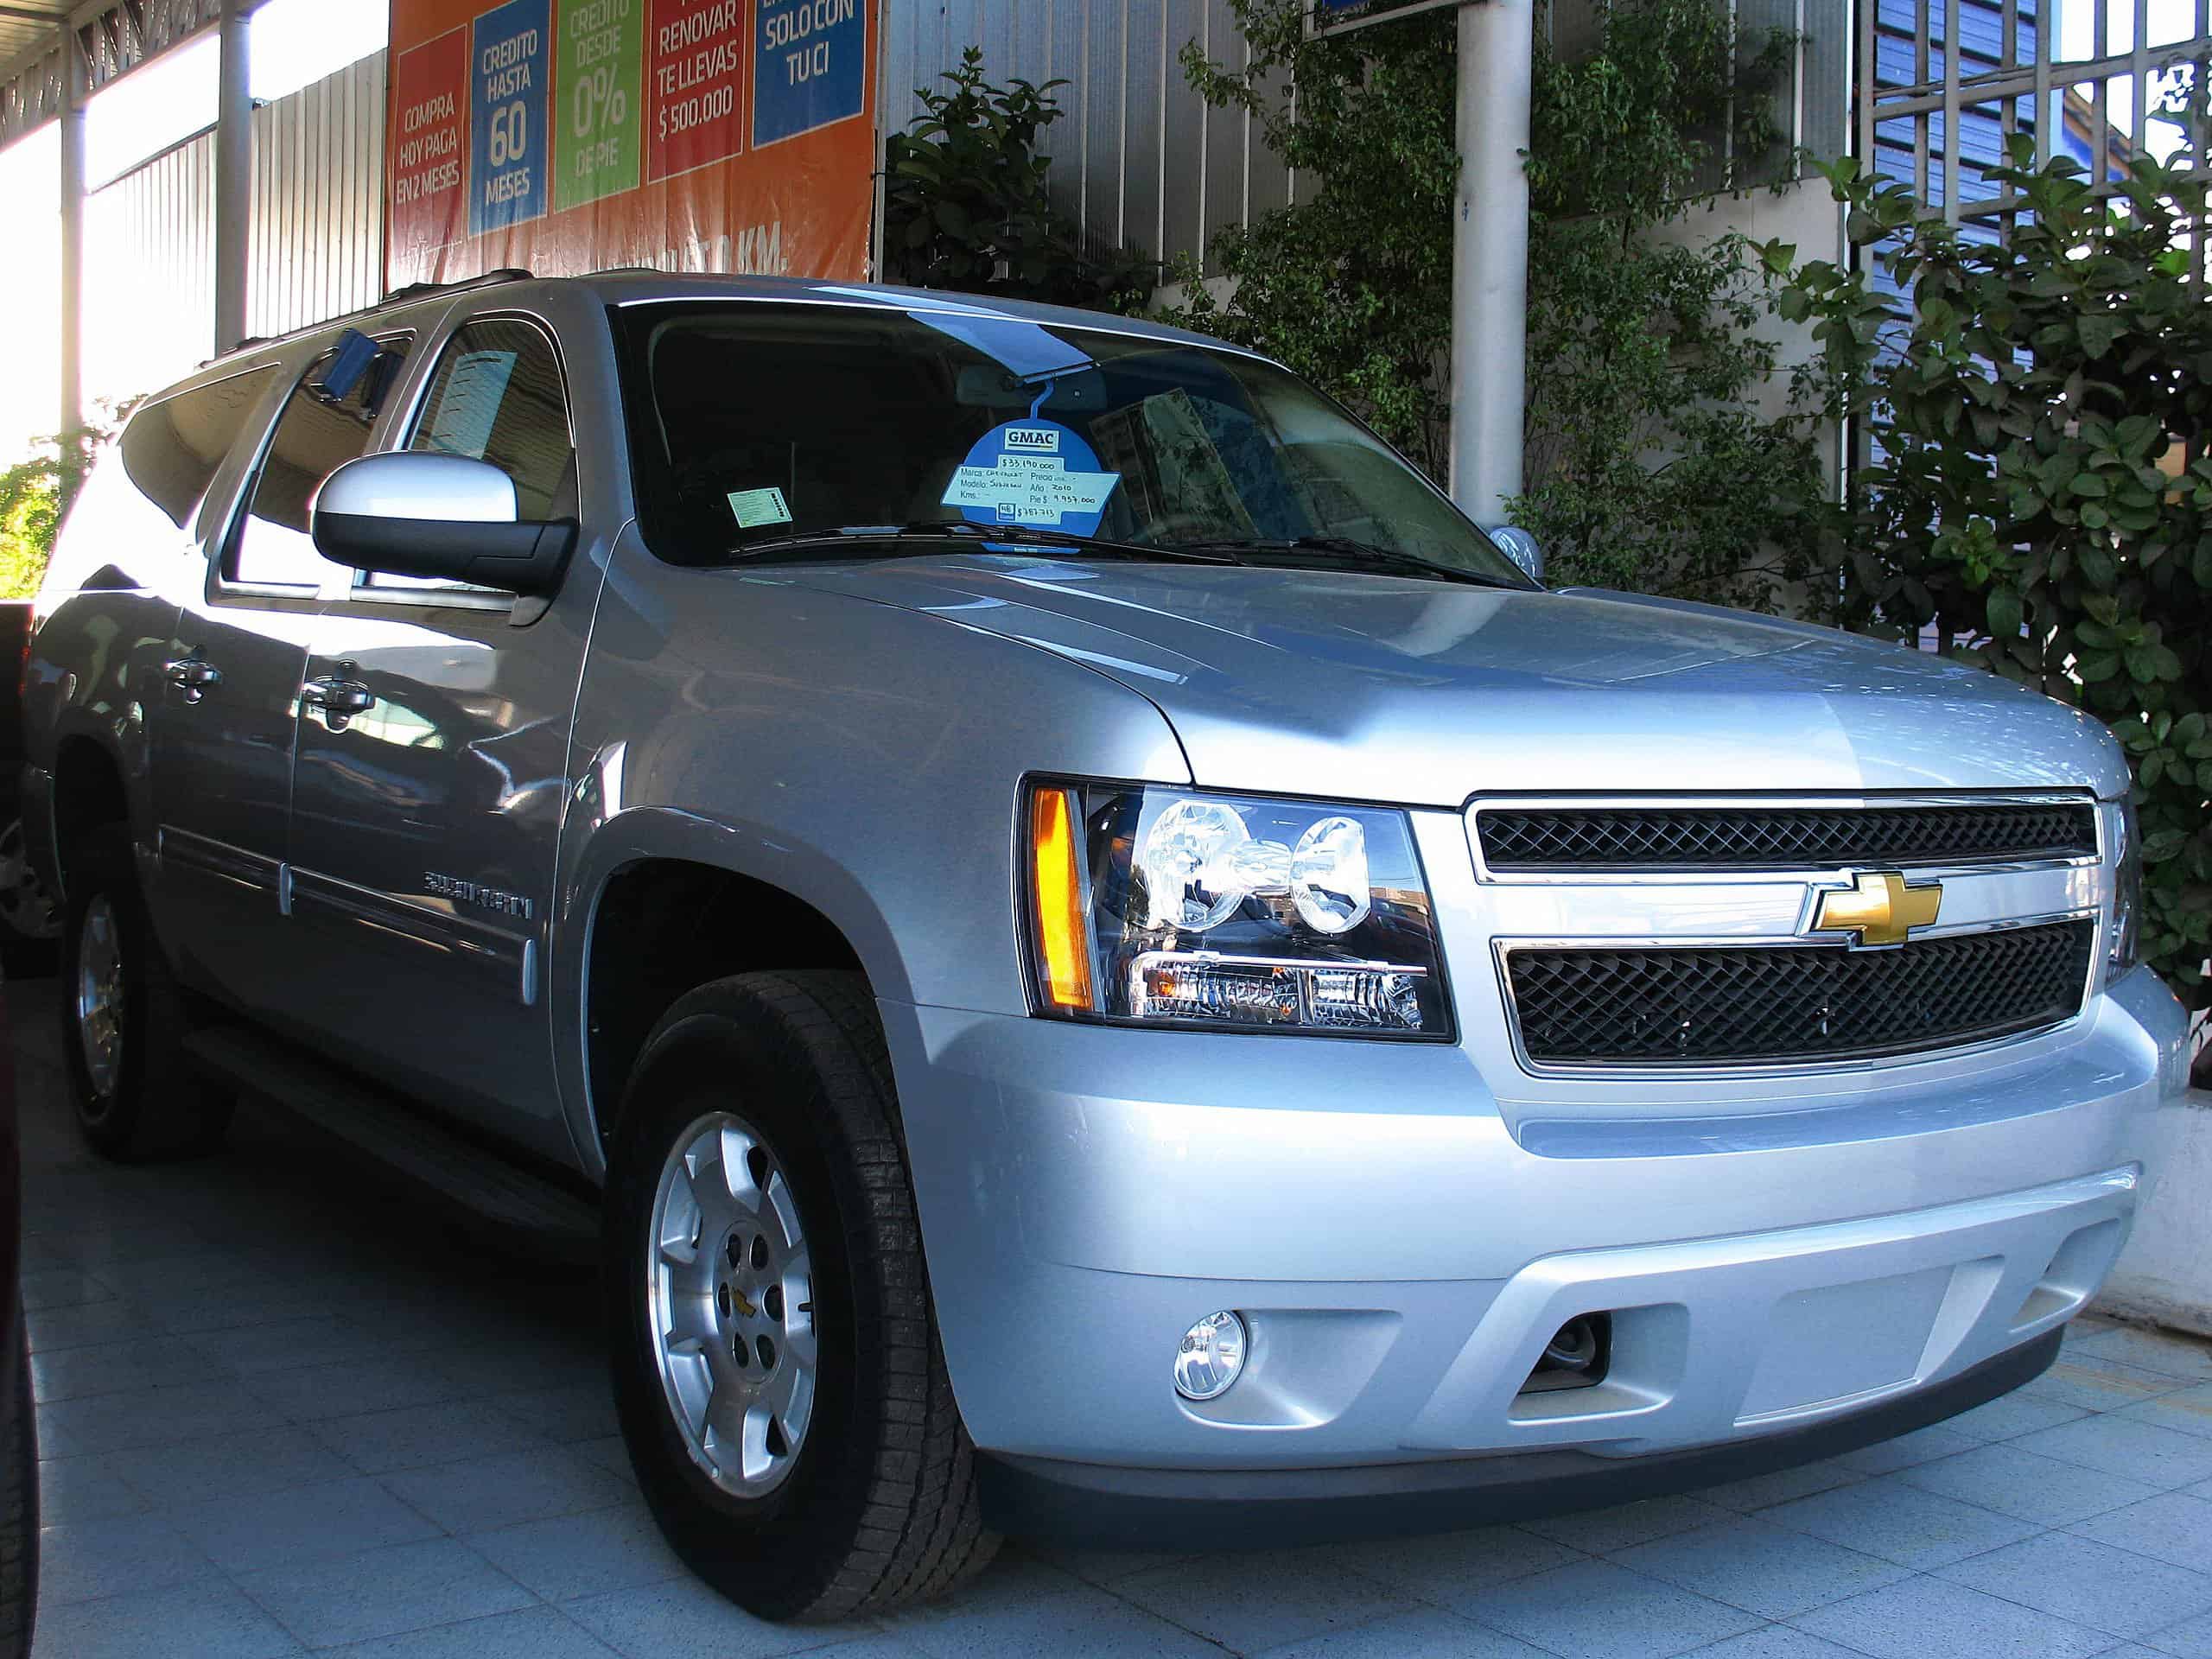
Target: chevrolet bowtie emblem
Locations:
point(1878, 907)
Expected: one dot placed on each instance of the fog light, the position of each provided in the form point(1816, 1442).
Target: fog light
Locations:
point(1211, 1358)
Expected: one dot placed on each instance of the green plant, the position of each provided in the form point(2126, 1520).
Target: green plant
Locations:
point(965, 204)
point(2041, 494)
point(34, 496)
point(1647, 463)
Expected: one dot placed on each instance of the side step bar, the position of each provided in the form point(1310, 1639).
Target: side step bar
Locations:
point(534, 1212)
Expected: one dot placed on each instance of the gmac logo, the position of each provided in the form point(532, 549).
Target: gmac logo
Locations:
point(1032, 440)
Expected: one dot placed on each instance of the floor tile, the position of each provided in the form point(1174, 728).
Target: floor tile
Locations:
point(484, 1494)
point(1900, 1523)
point(1103, 1566)
point(2190, 1639)
point(137, 1363)
point(2189, 1411)
point(1080, 1624)
point(64, 1287)
point(82, 1560)
point(1764, 1491)
point(287, 1344)
point(2090, 1583)
point(454, 1431)
point(684, 1619)
point(317, 1393)
point(2173, 1527)
point(579, 1411)
point(1925, 1619)
point(1627, 1524)
point(1456, 1569)
point(1256, 1601)
point(207, 1620)
point(612, 1454)
point(1752, 1563)
point(532, 1633)
point(299, 1524)
point(143, 1417)
point(84, 1324)
point(2026, 1485)
point(2095, 1384)
point(2145, 1452)
point(2153, 1350)
point(85, 1489)
point(2011, 1414)
point(384, 1593)
point(1430, 1633)
point(1597, 1609)
point(1921, 1446)
point(260, 1460)
point(1776, 1642)
point(588, 1555)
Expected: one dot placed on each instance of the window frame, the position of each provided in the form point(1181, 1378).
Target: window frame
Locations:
point(407, 421)
point(223, 589)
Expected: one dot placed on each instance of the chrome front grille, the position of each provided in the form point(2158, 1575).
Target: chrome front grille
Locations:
point(1568, 838)
point(1777, 1004)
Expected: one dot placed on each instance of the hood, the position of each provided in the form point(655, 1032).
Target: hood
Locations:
point(1378, 688)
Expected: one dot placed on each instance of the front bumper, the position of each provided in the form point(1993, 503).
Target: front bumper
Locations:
point(1403, 1244)
point(1084, 1506)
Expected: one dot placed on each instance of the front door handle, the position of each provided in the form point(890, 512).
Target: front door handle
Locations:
point(338, 699)
point(193, 675)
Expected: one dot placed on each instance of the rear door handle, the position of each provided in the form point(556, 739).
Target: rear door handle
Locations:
point(193, 675)
point(338, 699)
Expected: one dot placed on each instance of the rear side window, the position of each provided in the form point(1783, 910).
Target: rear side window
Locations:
point(315, 435)
point(172, 450)
point(498, 398)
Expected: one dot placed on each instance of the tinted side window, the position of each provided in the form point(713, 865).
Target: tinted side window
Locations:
point(172, 450)
point(314, 436)
point(498, 398)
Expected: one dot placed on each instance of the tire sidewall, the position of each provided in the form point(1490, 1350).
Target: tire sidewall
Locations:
point(768, 1551)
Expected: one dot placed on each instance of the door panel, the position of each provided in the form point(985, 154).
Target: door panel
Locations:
point(222, 756)
point(426, 822)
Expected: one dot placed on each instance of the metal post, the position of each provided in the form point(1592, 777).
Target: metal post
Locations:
point(233, 176)
point(1490, 257)
point(71, 131)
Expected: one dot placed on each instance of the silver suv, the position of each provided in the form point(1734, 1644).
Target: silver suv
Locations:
point(1098, 962)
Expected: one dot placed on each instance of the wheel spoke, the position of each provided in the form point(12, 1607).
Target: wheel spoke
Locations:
point(737, 1149)
point(798, 1307)
point(680, 1228)
point(785, 1210)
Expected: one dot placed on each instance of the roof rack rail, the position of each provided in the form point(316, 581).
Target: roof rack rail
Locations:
point(490, 278)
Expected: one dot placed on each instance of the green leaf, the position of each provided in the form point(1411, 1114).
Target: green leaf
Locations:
point(2089, 484)
point(2097, 330)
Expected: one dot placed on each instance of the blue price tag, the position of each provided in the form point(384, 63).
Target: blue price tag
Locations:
point(1038, 474)
point(511, 58)
point(810, 65)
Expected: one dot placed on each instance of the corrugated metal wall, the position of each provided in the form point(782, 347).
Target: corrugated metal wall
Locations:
point(316, 237)
point(318, 201)
point(1138, 158)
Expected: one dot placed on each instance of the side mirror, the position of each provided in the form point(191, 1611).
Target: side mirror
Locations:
point(1518, 545)
point(447, 518)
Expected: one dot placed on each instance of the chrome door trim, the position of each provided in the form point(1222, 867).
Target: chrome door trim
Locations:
point(499, 954)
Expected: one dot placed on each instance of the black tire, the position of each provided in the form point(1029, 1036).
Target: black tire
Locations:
point(880, 1508)
point(154, 1104)
point(18, 1503)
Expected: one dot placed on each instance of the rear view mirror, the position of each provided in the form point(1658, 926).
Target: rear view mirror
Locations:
point(445, 517)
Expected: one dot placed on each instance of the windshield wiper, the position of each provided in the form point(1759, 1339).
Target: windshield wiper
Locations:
point(1344, 550)
point(1013, 535)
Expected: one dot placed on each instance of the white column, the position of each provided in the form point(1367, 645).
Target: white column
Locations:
point(1490, 256)
point(233, 176)
point(73, 234)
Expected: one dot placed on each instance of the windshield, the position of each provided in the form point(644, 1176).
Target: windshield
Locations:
point(756, 426)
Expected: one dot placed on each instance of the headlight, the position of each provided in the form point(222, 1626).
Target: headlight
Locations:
point(1170, 907)
point(2126, 933)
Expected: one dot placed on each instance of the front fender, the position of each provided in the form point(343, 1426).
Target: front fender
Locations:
point(865, 759)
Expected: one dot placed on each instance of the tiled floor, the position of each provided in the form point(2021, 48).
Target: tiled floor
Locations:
point(280, 1414)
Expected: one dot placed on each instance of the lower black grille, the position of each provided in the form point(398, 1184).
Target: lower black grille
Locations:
point(1781, 837)
point(1764, 1004)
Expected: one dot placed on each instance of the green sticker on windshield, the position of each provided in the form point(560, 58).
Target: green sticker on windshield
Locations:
point(763, 506)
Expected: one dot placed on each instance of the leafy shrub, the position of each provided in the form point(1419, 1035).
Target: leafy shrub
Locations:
point(2042, 492)
point(35, 494)
point(965, 206)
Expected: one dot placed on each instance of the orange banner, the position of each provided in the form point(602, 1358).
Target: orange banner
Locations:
point(568, 136)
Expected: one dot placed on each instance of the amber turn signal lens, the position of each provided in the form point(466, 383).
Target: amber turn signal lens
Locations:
point(1057, 886)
